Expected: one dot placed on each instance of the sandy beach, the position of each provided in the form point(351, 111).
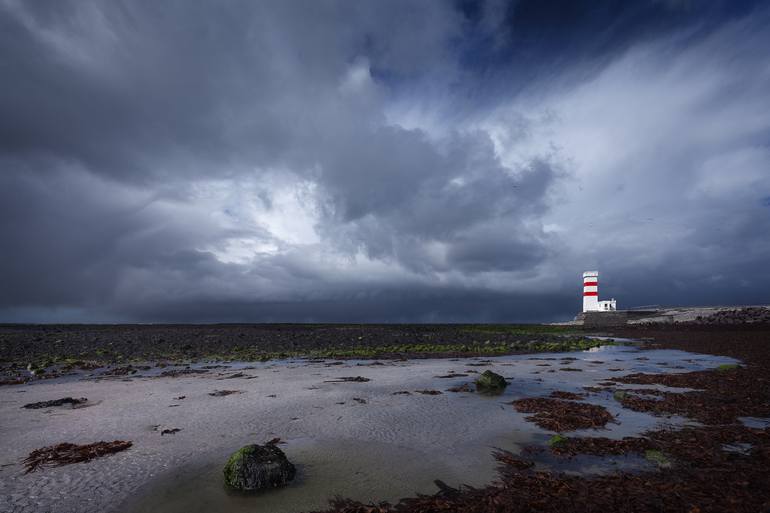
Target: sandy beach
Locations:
point(356, 440)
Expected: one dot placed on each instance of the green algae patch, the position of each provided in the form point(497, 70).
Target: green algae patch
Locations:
point(657, 457)
point(557, 440)
point(725, 367)
point(620, 395)
point(234, 463)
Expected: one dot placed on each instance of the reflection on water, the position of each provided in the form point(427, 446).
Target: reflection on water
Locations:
point(401, 450)
point(364, 471)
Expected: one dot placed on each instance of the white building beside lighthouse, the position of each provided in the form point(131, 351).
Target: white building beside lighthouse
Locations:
point(591, 301)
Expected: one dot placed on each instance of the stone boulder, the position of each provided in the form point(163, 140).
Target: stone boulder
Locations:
point(257, 467)
point(489, 382)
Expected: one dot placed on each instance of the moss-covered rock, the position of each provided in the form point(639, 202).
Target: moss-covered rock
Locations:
point(256, 467)
point(491, 382)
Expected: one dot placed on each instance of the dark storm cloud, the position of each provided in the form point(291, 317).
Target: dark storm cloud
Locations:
point(427, 161)
point(137, 87)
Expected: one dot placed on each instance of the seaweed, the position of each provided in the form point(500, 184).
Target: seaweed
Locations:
point(349, 379)
point(559, 415)
point(56, 402)
point(181, 372)
point(222, 393)
point(572, 396)
point(465, 387)
point(67, 453)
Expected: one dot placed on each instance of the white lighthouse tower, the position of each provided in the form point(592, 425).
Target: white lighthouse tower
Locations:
point(591, 301)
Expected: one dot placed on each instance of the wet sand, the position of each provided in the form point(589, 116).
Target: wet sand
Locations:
point(386, 448)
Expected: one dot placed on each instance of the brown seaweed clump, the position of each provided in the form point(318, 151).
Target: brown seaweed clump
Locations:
point(465, 387)
point(559, 415)
point(428, 392)
point(720, 396)
point(349, 379)
point(572, 396)
point(223, 393)
point(56, 402)
point(66, 453)
point(175, 373)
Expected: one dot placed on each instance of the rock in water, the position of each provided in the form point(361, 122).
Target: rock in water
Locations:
point(491, 382)
point(256, 467)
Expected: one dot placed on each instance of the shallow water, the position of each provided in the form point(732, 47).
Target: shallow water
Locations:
point(397, 445)
point(325, 468)
point(755, 422)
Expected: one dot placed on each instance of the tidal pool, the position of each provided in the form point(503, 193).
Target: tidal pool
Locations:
point(359, 440)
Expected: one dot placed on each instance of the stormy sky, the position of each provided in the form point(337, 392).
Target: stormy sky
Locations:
point(380, 161)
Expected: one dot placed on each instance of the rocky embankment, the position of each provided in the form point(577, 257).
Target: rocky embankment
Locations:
point(695, 315)
point(754, 314)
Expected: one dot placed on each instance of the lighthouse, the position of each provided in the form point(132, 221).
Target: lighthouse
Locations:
point(591, 301)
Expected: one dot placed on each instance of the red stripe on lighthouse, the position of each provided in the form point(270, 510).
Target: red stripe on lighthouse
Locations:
point(591, 284)
point(590, 293)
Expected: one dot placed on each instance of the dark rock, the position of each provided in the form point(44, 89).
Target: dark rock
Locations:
point(490, 382)
point(256, 467)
